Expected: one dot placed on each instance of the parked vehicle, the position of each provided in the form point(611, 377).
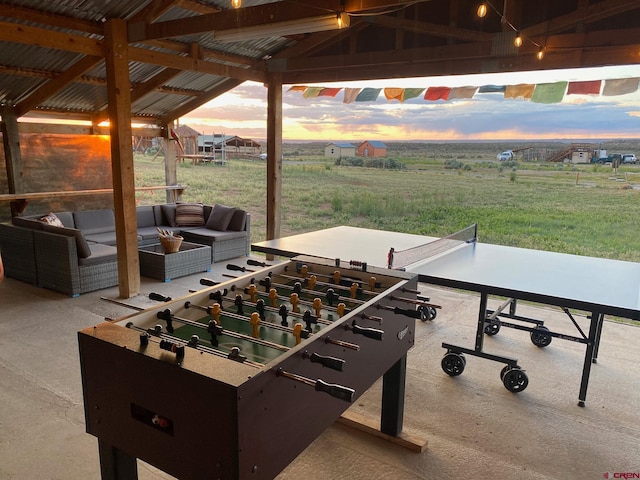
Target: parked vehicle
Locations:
point(629, 158)
point(506, 156)
point(611, 158)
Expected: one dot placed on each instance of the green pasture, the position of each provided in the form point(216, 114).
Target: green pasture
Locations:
point(580, 209)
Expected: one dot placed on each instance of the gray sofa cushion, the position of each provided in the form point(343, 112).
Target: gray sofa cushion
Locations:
point(208, 235)
point(95, 221)
point(238, 220)
point(107, 238)
point(100, 254)
point(81, 243)
point(169, 212)
point(145, 216)
point(220, 217)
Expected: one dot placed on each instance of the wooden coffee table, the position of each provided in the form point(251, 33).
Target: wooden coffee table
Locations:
point(191, 258)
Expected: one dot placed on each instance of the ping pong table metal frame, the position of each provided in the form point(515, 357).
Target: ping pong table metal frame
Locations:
point(486, 325)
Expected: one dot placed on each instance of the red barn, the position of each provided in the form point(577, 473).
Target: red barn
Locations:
point(372, 148)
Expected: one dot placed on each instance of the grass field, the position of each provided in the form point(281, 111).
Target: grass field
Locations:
point(581, 209)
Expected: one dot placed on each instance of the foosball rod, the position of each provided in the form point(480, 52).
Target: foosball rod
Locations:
point(229, 333)
point(236, 316)
point(326, 284)
point(415, 302)
point(155, 333)
point(306, 317)
point(219, 298)
point(288, 299)
point(263, 282)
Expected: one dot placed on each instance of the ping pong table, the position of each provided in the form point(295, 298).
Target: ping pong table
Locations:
point(595, 286)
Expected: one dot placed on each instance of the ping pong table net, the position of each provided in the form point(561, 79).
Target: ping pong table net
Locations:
point(398, 259)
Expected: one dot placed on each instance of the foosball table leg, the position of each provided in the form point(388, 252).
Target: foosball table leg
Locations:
point(393, 388)
point(115, 464)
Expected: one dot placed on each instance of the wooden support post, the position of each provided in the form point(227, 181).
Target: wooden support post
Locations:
point(274, 154)
point(12, 154)
point(170, 162)
point(124, 201)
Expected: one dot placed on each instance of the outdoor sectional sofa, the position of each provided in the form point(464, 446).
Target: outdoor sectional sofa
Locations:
point(77, 254)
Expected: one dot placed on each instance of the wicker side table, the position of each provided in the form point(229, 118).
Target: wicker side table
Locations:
point(191, 258)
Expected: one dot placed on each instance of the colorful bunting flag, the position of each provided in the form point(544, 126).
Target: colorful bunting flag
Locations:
point(350, 95)
point(312, 92)
point(297, 88)
point(368, 94)
point(329, 92)
point(394, 94)
point(492, 89)
point(590, 87)
point(549, 92)
point(522, 90)
point(437, 93)
point(462, 92)
point(620, 86)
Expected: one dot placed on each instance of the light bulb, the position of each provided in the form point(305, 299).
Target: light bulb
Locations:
point(518, 40)
point(236, 3)
point(482, 10)
point(540, 54)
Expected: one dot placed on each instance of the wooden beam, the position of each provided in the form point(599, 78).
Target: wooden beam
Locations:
point(428, 28)
point(47, 38)
point(274, 155)
point(45, 18)
point(12, 154)
point(117, 62)
point(264, 14)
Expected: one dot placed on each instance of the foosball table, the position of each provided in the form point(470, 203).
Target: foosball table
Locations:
point(237, 379)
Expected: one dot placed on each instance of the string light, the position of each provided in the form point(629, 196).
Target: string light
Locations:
point(540, 54)
point(236, 3)
point(482, 10)
point(518, 40)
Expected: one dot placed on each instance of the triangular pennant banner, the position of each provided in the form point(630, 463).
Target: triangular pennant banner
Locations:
point(549, 92)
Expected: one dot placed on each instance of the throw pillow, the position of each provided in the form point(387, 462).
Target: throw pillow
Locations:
point(189, 215)
point(51, 219)
point(220, 217)
point(169, 212)
point(238, 220)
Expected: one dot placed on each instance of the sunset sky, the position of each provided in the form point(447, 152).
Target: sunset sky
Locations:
point(487, 116)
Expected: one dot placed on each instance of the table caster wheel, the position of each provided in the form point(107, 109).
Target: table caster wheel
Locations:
point(540, 337)
point(492, 328)
point(427, 313)
point(453, 364)
point(514, 379)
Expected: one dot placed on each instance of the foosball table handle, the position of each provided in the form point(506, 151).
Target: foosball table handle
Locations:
point(333, 363)
point(373, 333)
point(337, 391)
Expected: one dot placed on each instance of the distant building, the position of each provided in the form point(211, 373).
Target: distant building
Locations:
point(340, 150)
point(372, 148)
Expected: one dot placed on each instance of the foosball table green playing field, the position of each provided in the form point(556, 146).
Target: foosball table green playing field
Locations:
point(237, 379)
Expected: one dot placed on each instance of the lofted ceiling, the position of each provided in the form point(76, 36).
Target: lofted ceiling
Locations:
point(52, 54)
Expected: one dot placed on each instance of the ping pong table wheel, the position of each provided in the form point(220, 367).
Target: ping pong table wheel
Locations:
point(540, 337)
point(453, 364)
point(492, 327)
point(427, 313)
point(514, 379)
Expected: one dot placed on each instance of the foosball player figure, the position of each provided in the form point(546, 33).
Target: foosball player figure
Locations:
point(255, 325)
point(317, 306)
point(238, 302)
point(331, 296)
point(312, 282)
point(294, 300)
point(252, 291)
point(341, 309)
point(353, 289)
point(309, 320)
point(297, 331)
point(260, 309)
point(273, 296)
point(283, 312)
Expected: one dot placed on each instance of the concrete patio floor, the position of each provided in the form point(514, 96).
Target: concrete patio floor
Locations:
point(474, 427)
